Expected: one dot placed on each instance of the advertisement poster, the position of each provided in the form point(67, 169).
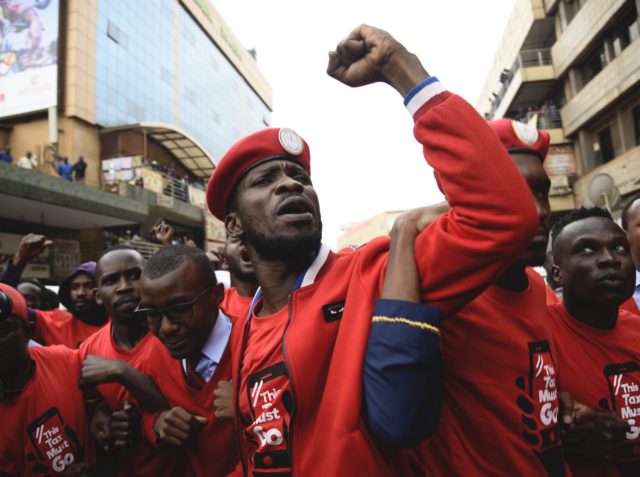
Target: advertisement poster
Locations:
point(28, 55)
point(560, 161)
point(66, 255)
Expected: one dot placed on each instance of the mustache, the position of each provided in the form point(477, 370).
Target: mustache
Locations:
point(297, 195)
point(126, 299)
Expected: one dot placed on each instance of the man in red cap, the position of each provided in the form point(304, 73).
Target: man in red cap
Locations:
point(501, 413)
point(298, 372)
point(45, 429)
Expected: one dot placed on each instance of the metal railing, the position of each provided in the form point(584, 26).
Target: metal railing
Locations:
point(146, 249)
point(176, 188)
point(525, 59)
point(546, 119)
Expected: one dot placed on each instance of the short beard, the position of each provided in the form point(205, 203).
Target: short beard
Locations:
point(301, 249)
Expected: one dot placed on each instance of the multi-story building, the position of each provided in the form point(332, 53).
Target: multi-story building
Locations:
point(149, 93)
point(573, 67)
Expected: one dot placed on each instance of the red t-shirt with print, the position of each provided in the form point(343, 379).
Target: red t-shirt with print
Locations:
point(500, 412)
point(265, 399)
point(601, 369)
point(45, 427)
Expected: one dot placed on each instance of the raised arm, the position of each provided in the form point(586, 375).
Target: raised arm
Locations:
point(31, 246)
point(492, 217)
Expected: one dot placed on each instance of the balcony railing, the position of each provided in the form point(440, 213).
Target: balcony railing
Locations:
point(525, 59)
point(144, 248)
point(546, 118)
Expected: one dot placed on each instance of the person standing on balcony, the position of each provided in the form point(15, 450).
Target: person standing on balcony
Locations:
point(28, 161)
point(79, 169)
point(65, 169)
point(6, 156)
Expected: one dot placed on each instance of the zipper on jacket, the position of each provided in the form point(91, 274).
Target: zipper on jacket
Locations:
point(293, 391)
point(239, 428)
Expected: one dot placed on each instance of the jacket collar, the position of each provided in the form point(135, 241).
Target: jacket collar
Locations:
point(306, 278)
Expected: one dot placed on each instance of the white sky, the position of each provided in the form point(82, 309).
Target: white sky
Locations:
point(364, 159)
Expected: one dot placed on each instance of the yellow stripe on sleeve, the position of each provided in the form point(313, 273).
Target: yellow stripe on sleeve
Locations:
point(406, 321)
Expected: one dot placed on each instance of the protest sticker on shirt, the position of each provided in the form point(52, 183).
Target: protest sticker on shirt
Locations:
point(55, 445)
point(270, 404)
point(624, 388)
point(540, 408)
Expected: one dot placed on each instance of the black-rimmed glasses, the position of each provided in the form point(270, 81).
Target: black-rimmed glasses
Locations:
point(175, 313)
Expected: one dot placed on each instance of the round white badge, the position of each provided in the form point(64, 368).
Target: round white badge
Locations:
point(290, 141)
point(527, 134)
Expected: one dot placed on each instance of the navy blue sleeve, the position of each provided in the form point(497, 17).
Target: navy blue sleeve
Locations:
point(12, 274)
point(402, 378)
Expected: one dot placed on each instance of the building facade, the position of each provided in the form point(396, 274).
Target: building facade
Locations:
point(150, 93)
point(573, 67)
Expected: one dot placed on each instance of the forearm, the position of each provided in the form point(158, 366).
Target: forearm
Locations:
point(12, 272)
point(144, 389)
point(401, 280)
point(402, 377)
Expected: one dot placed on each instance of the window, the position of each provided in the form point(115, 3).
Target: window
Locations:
point(635, 114)
point(606, 145)
point(593, 65)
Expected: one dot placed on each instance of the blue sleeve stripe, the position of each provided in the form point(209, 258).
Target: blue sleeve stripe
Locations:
point(422, 93)
point(418, 87)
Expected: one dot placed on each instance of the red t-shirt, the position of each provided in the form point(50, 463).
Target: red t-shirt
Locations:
point(46, 427)
point(61, 327)
point(235, 305)
point(265, 400)
point(212, 452)
point(500, 408)
point(630, 305)
point(601, 369)
point(140, 459)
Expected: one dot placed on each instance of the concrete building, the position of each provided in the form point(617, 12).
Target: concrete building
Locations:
point(573, 67)
point(149, 93)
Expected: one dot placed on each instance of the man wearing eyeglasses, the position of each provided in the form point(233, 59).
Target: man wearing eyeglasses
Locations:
point(180, 298)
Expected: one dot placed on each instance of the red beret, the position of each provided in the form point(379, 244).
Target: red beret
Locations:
point(520, 137)
point(19, 306)
point(516, 137)
point(264, 145)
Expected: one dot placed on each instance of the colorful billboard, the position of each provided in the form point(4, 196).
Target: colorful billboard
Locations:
point(28, 55)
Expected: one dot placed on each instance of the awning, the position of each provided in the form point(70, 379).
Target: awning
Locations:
point(189, 152)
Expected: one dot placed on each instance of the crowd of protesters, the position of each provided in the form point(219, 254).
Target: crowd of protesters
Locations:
point(434, 351)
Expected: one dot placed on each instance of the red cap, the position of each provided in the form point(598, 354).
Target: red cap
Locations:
point(520, 137)
point(18, 307)
point(265, 145)
point(516, 137)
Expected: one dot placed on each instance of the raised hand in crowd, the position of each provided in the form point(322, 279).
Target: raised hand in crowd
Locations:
point(163, 233)
point(31, 246)
point(369, 55)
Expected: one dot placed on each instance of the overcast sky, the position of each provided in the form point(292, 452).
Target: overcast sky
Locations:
point(364, 159)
